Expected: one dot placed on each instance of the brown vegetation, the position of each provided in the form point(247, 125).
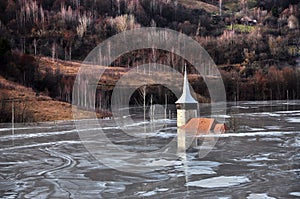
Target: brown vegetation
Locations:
point(254, 43)
point(31, 108)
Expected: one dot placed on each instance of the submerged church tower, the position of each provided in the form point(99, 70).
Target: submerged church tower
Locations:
point(186, 105)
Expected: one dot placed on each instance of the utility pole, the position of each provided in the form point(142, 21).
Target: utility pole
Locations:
point(12, 117)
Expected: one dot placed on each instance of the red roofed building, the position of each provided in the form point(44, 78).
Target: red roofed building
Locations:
point(189, 125)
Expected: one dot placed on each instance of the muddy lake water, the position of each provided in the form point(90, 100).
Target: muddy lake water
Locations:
point(258, 158)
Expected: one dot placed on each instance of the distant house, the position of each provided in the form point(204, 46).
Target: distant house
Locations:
point(249, 21)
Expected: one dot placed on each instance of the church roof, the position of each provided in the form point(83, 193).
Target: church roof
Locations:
point(199, 126)
point(186, 97)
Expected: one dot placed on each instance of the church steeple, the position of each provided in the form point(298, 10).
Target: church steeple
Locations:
point(186, 97)
point(186, 105)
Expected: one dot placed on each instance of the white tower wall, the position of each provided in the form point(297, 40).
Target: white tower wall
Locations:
point(183, 116)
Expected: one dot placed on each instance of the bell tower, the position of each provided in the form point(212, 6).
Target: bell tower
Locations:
point(186, 105)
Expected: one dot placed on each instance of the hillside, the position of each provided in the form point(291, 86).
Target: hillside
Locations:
point(196, 4)
point(254, 43)
point(30, 107)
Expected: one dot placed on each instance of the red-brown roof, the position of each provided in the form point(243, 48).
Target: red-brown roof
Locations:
point(203, 126)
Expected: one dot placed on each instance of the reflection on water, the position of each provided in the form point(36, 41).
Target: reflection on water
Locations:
point(261, 159)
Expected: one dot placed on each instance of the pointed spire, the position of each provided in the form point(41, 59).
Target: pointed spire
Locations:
point(186, 97)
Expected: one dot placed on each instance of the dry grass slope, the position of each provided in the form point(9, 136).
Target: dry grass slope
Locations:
point(196, 4)
point(42, 107)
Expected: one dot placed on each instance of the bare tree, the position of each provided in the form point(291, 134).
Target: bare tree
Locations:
point(83, 22)
point(63, 11)
point(244, 4)
point(53, 50)
point(124, 22)
point(69, 14)
point(42, 17)
point(35, 45)
point(220, 7)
